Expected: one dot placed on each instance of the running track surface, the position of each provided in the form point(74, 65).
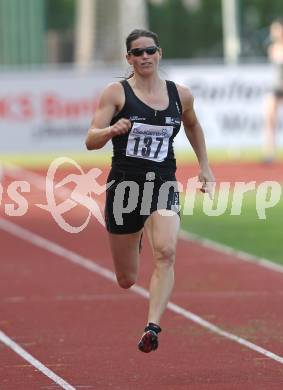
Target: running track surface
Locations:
point(84, 328)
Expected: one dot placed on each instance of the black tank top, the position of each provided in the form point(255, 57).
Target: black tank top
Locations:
point(148, 146)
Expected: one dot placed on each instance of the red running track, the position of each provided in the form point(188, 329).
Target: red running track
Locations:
point(85, 329)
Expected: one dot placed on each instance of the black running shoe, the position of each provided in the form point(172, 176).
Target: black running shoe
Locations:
point(149, 340)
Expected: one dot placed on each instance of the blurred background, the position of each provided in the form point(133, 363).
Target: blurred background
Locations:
point(57, 55)
point(49, 32)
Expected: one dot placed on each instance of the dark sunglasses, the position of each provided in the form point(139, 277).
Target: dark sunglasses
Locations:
point(139, 51)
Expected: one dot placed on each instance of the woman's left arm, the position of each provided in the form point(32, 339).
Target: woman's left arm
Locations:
point(196, 138)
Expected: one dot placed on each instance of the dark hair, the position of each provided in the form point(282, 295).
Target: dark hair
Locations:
point(138, 33)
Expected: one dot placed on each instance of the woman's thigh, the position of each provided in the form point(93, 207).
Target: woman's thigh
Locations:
point(125, 252)
point(162, 230)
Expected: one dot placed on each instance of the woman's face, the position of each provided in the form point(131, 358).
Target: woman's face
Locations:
point(146, 63)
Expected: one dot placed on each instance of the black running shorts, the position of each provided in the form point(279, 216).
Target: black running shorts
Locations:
point(133, 197)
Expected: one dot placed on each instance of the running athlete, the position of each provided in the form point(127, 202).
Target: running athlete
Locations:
point(142, 115)
point(275, 55)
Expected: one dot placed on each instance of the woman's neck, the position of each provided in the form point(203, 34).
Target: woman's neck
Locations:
point(146, 84)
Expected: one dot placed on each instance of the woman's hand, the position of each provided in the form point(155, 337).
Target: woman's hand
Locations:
point(122, 126)
point(207, 179)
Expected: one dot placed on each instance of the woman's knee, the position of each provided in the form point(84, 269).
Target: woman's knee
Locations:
point(165, 255)
point(126, 281)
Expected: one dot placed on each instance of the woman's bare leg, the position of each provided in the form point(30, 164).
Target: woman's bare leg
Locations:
point(271, 108)
point(125, 254)
point(163, 235)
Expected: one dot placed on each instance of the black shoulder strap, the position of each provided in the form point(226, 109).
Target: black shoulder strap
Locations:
point(173, 91)
point(126, 86)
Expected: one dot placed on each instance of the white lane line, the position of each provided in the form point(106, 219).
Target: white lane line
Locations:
point(90, 265)
point(216, 246)
point(39, 182)
point(34, 362)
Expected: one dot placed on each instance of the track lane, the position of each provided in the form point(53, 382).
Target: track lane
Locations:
point(200, 290)
point(202, 345)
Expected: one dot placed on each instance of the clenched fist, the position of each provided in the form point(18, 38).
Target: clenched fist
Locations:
point(121, 127)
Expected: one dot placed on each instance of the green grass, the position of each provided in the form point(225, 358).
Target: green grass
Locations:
point(246, 232)
point(100, 158)
point(43, 160)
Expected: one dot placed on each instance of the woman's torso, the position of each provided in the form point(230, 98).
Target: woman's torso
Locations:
point(148, 146)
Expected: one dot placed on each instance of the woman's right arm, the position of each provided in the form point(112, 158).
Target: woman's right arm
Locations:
point(100, 132)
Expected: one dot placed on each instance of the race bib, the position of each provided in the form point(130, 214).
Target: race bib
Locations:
point(149, 141)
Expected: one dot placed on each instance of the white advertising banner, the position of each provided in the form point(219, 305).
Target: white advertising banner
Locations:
point(50, 111)
point(229, 101)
